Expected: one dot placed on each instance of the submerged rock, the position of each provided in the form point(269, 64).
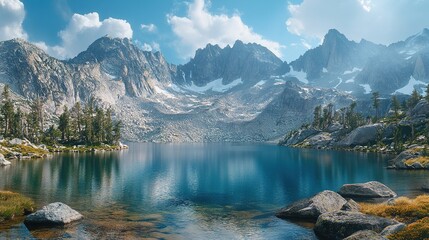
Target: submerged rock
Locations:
point(341, 224)
point(366, 235)
point(311, 208)
point(54, 214)
point(371, 189)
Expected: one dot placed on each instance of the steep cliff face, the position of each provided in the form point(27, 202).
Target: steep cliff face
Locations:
point(120, 60)
point(248, 62)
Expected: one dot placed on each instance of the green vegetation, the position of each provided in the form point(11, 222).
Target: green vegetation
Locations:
point(14, 204)
point(414, 212)
point(87, 125)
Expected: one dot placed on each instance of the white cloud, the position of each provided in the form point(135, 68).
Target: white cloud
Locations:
point(381, 21)
point(82, 30)
point(12, 15)
point(200, 27)
point(149, 47)
point(148, 27)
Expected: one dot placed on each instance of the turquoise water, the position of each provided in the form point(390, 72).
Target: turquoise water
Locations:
point(198, 191)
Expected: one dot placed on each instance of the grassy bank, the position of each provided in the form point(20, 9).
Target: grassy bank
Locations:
point(414, 212)
point(14, 204)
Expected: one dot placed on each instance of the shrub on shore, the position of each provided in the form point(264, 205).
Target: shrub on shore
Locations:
point(14, 204)
point(414, 212)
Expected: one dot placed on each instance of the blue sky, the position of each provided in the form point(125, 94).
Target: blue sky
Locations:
point(63, 28)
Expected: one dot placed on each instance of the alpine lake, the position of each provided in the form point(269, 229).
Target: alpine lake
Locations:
point(190, 191)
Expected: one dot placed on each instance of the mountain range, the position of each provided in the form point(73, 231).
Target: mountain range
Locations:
point(241, 92)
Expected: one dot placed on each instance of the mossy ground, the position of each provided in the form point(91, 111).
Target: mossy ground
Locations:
point(423, 160)
point(414, 212)
point(14, 204)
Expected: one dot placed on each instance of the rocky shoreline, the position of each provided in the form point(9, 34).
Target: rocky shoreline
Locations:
point(338, 216)
point(22, 149)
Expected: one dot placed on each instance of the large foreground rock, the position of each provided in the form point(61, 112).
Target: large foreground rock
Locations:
point(371, 189)
point(365, 235)
point(311, 208)
point(54, 214)
point(341, 224)
point(3, 161)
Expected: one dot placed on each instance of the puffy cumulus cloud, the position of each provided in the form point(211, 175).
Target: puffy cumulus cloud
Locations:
point(82, 30)
point(200, 27)
point(12, 14)
point(381, 21)
point(148, 27)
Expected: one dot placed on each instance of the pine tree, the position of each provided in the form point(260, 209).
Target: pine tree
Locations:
point(317, 116)
point(88, 123)
point(414, 99)
point(117, 132)
point(99, 125)
point(376, 104)
point(109, 126)
point(77, 118)
point(7, 111)
point(396, 106)
point(17, 124)
point(64, 124)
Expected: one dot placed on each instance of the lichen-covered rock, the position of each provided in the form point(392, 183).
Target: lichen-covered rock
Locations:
point(341, 224)
point(311, 208)
point(371, 189)
point(54, 214)
point(351, 205)
point(365, 235)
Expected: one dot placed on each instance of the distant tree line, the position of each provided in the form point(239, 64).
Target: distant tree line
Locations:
point(85, 125)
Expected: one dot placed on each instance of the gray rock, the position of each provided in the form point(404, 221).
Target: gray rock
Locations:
point(341, 224)
point(363, 135)
point(392, 229)
point(16, 141)
point(351, 206)
point(365, 235)
point(3, 161)
point(371, 189)
point(416, 165)
point(54, 214)
point(399, 161)
point(300, 136)
point(420, 110)
point(311, 208)
point(334, 127)
point(320, 140)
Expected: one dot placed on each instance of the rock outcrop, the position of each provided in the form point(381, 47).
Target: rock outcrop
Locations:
point(363, 135)
point(371, 189)
point(3, 161)
point(54, 214)
point(341, 224)
point(311, 208)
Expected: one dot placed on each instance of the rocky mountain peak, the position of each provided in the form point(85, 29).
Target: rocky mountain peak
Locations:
point(334, 37)
point(246, 61)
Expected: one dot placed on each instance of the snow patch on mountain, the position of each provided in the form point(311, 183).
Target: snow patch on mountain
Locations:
point(301, 76)
point(259, 84)
point(367, 88)
point(355, 69)
point(341, 81)
point(408, 89)
point(215, 86)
